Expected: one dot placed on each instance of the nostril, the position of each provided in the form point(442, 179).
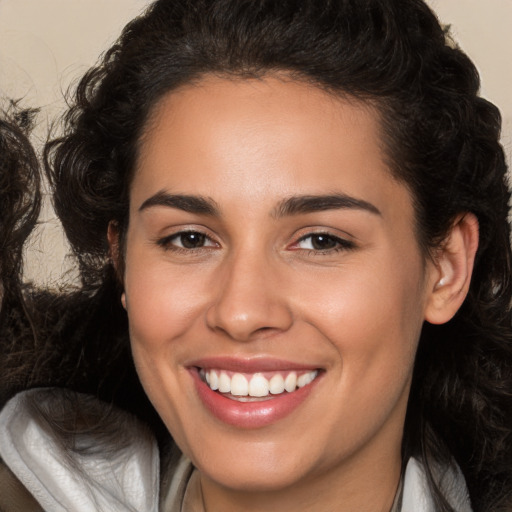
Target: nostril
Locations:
point(263, 331)
point(246, 331)
point(247, 312)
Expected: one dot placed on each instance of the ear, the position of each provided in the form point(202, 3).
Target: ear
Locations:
point(452, 269)
point(113, 242)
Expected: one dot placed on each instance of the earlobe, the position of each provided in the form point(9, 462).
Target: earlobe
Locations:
point(452, 270)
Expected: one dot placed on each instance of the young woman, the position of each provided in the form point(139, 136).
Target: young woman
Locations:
point(305, 204)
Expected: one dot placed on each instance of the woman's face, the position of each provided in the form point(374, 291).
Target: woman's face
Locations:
point(270, 252)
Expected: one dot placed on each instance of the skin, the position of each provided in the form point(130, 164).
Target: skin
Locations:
point(257, 287)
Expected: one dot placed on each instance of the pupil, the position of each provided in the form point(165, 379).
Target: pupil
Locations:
point(192, 240)
point(322, 242)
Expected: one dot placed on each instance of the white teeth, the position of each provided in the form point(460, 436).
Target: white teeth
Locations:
point(290, 383)
point(258, 386)
point(301, 381)
point(239, 385)
point(306, 378)
point(224, 383)
point(214, 380)
point(276, 384)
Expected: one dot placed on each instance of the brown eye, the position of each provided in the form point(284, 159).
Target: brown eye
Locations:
point(324, 242)
point(191, 240)
point(186, 240)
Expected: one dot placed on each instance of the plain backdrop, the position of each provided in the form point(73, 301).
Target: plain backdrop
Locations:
point(46, 45)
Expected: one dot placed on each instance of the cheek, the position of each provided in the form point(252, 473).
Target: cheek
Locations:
point(374, 326)
point(161, 302)
point(373, 319)
point(162, 305)
point(352, 302)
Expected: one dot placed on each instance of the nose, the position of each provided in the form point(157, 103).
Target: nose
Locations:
point(251, 301)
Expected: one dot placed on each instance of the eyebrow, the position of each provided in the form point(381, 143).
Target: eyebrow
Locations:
point(309, 204)
point(191, 204)
point(294, 205)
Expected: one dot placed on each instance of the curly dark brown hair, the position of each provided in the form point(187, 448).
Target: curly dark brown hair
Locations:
point(442, 141)
point(19, 193)
point(21, 200)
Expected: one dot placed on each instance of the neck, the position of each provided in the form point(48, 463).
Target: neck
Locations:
point(365, 484)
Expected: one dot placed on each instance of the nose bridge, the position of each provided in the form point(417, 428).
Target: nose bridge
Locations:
point(249, 301)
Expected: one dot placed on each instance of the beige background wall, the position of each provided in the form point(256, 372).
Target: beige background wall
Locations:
point(45, 45)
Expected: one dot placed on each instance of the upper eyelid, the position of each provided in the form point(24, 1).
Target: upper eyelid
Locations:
point(333, 233)
point(320, 233)
point(186, 231)
point(166, 239)
point(339, 239)
point(177, 230)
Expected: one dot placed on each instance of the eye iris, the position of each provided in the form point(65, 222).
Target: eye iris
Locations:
point(322, 242)
point(192, 240)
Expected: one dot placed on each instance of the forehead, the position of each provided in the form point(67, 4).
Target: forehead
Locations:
point(260, 138)
point(272, 101)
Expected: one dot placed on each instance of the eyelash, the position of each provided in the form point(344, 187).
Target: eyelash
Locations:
point(167, 242)
point(340, 244)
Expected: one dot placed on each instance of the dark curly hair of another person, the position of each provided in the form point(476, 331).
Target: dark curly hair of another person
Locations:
point(442, 142)
point(20, 201)
point(19, 194)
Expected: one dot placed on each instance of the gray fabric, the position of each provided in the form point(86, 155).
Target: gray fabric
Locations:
point(416, 496)
point(175, 496)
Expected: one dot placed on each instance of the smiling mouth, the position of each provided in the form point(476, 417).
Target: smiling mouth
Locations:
point(249, 387)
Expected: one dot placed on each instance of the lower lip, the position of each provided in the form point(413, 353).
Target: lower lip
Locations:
point(250, 415)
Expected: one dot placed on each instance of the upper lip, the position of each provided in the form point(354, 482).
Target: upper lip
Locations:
point(250, 365)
